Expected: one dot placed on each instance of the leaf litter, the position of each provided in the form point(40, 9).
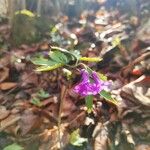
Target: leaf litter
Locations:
point(30, 101)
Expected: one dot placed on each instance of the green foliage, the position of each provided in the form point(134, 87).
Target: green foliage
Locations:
point(43, 61)
point(42, 94)
point(107, 96)
point(59, 57)
point(13, 146)
point(102, 77)
point(89, 103)
point(36, 100)
point(76, 139)
point(25, 12)
point(56, 59)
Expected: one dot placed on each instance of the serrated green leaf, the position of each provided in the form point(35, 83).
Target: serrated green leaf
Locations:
point(107, 96)
point(13, 146)
point(89, 103)
point(75, 138)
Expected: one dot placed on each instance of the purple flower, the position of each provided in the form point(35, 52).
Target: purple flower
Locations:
point(85, 87)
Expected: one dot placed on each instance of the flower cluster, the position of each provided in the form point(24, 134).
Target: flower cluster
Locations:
point(85, 87)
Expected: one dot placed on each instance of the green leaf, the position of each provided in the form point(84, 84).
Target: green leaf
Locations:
point(102, 76)
point(49, 68)
point(107, 96)
point(25, 12)
point(70, 55)
point(91, 59)
point(89, 103)
point(76, 54)
point(13, 146)
point(42, 94)
point(43, 61)
point(35, 101)
point(59, 56)
point(75, 138)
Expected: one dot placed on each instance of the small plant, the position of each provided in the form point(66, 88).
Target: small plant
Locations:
point(39, 96)
point(75, 138)
point(92, 83)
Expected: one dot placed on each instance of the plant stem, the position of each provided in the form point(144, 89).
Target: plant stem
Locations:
point(63, 94)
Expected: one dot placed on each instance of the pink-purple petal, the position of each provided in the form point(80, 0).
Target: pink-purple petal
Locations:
point(85, 88)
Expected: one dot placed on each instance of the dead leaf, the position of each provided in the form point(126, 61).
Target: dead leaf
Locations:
point(7, 85)
point(29, 79)
point(29, 121)
point(4, 73)
point(3, 112)
point(9, 121)
point(68, 107)
point(100, 135)
point(51, 138)
point(138, 90)
point(142, 147)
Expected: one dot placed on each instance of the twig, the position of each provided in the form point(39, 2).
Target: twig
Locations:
point(63, 94)
point(126, 70)
point(2, 127)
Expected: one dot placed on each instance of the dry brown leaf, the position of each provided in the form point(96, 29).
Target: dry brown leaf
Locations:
point(51, 138)
point(100, 135)
point(4, 73)
point(9, 121)
point(29, 121)
point(5, 61)
point(68, 107)
point(29, 79)
point(142, 147)
point(3, 112)
point(7, 85)
point(138, 90)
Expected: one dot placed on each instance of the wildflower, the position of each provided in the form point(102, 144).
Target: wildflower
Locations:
point(90, 85)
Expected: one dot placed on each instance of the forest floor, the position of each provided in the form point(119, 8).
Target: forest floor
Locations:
point(38, 110)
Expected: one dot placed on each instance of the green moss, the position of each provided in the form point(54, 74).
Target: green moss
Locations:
point(27, 30)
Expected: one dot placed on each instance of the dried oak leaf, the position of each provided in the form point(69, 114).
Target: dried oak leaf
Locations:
point(7, 85)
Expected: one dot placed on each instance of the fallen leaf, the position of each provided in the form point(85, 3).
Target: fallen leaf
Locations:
point(7, 85)
point(9, 121)
point(29, 121)
point(4, 112)
point(4, 73)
